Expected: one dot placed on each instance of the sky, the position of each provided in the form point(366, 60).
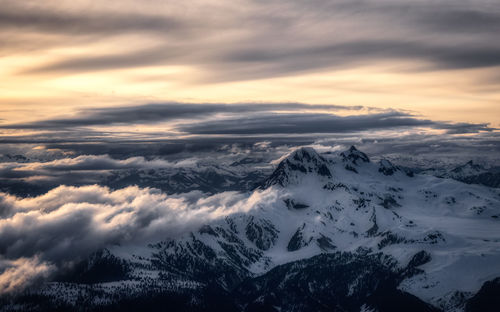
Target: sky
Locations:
point(93, 93)
point(164, 69)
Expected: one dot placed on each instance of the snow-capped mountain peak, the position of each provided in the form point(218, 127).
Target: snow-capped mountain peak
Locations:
point(302, 161)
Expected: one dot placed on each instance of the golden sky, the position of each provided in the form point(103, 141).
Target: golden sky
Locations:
point(437, 60)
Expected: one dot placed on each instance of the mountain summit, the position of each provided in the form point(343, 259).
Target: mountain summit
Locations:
point(302, 161)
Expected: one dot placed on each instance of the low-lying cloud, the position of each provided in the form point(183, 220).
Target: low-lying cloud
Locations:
point(22, 272)
point(66, 224)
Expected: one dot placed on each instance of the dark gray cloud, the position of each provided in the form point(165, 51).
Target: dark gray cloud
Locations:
point(456, 20)
point(438, 16)
point(322, 123)
point(150, 113)
point(172, 149)
point(87, 23)
point(274, 38)
point(280, 121)
point(238, 63)
point(362, 51)
point(303, 123)
point(460, 128)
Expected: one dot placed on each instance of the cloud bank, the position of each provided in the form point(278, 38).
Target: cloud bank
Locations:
point(230, 120)
point(40, 234)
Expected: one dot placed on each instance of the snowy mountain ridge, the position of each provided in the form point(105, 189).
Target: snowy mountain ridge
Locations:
point(325, 232)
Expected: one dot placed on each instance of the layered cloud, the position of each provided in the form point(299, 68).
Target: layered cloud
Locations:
point(161, 112)
point(324, 123)
point(230, 120)
point(438, 59)
point(267, 38)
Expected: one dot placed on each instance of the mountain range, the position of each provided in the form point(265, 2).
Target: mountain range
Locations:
point(324, 232)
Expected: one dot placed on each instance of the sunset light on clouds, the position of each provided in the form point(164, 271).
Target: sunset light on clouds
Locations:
point(435, 59)
point(250, 155)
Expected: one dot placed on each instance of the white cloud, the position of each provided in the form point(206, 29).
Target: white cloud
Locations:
point(68, 223)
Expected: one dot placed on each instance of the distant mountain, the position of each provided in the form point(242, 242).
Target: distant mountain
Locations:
point(476, 174)
point(326, 233)
point(470, 173)
point(209, 179)
point(212, 179)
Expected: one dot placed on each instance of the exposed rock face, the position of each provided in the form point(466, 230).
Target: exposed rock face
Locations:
point(387, 168)
point(262, 233)
point(354, 156)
